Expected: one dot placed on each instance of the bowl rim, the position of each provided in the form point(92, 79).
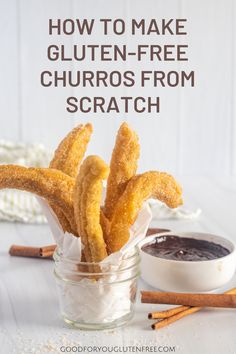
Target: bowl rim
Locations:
point(200, 235)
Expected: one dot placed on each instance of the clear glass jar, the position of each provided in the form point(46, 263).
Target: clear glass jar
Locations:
point(97, 295)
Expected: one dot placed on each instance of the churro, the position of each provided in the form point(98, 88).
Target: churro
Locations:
point(53, 185)
point(78, 215)
point(105, 223)
point(75, 196)
point(66, 224)
point(123, 166)
point(67, 159)
point(87, 200)
point(71, 150)
point(158, 185)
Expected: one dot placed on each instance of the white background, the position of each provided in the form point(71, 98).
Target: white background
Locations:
point(195, 132)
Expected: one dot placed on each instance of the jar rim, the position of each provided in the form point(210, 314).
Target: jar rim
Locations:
point(106, 282)
point(58, 254)
point(135, 255)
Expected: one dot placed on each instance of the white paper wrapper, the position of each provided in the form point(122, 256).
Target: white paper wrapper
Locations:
point(97, 301)
point(71, 246)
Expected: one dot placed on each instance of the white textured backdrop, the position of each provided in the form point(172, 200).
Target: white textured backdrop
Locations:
point(195, 132)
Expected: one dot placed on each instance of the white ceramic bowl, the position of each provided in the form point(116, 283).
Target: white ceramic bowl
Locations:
point(185, 276)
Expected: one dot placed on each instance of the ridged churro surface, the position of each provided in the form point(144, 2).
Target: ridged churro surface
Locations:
point(71, 150)
point(87, 201)
point(79, 215)
point(67, 225)
point(53, 185)
point(141, 187)
point(123, 166)
point(67, 159)
point(105, 223)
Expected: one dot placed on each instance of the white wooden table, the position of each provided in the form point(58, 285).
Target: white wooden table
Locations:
point(29, 314)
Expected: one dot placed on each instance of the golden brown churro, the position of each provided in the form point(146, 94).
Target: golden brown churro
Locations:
point(87, 200)
point(53, 185)
point(123, 166)
point(67, 159)
point(71, 150)
point(105, 223)
point(151, 184)
point(75, 197)
point(67, 225)
point(78, 215)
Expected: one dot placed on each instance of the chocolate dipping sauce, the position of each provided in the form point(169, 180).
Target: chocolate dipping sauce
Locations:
point(184, 249)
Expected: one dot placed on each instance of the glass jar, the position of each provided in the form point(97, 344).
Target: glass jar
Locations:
point(97, 295)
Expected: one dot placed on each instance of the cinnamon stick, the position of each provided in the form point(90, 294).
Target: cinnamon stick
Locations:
point(166, 313)
point(36, 252)
point(174, 318)
point(202, 300)
point(177, 315)
point(47, 251)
